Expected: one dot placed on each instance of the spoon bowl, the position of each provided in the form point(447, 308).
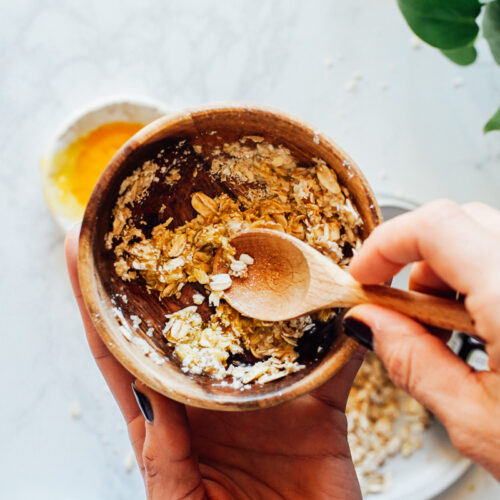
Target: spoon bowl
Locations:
point(277, 281)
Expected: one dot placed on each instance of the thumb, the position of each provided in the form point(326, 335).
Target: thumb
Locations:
point(170, 467)
point(417, 362)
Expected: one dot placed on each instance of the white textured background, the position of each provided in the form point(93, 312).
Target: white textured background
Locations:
point(420, 138)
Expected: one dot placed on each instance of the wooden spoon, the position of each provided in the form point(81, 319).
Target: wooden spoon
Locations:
point(289, 278)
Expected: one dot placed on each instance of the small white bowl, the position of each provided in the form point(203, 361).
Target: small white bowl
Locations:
point(82, 122)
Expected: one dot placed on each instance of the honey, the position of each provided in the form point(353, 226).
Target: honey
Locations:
point(78, 167)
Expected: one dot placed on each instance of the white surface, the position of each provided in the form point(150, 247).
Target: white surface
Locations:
point(420, 136)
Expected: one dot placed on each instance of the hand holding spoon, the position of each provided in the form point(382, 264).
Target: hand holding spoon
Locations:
point(289, 278)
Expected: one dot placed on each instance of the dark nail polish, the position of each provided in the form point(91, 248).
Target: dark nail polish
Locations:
point(359, 331)
point(144, 404)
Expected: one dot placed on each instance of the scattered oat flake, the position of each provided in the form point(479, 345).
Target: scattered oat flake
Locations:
point(129, 461)
point(357, 76)
point(247, 259)
point(382, 422)
point(136, 321)
point(220, 282)
point(351, 85)
point(75, 410)
point(198, 298)
point(415, 42)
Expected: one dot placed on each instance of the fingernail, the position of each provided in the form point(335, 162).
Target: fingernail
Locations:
point(144, 404)
point(359, 331)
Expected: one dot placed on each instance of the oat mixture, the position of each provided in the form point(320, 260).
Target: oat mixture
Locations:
point(382, 422)
point(271, 190)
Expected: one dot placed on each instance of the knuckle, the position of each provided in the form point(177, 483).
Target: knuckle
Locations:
point(417, 271)
point(465, 434)
point(436, 216)
point(400, 362)
point(443, 205)
point(460, 437)
point(151, 467)
point(397, 364)
point(483, 307)
point(474, 206)
point(440, 211)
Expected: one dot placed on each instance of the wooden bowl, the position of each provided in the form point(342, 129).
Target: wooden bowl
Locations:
point(102, 288)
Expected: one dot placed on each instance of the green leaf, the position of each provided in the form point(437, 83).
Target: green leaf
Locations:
point(491, 28)
point(462, 55)
point(445, 24)
point(493, 123)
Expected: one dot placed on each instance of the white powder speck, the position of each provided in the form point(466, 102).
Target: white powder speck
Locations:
point(357, 76)
point(351, 85)
point(328, 62)
point(384, 85)
point(457, 82)
point(382, 174)
point(75, 410)
point(150, 332)
point(129, 461)
point(415, 42)
point(136, 321)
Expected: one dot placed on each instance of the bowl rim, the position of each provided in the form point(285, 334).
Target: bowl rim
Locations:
point(71, 121)
point(99, 312)
point(99, 104)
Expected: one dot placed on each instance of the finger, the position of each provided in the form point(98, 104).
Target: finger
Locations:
point(335, 391)
point(417, 362)
point(462, 262)
point(117, 378)
point(489, 218)
point(423, 279)
point(484, 215)
point(171, 467)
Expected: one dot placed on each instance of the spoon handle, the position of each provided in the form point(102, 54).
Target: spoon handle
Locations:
point(427, 309)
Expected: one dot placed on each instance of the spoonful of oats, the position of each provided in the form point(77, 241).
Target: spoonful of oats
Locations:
point(288, 278)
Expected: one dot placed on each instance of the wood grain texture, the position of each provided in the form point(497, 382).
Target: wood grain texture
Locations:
point(102, 289)
point(427, 309)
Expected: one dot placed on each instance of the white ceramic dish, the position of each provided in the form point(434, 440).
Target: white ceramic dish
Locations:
point(426, 473)
point(82, 122)
point(437, 465)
